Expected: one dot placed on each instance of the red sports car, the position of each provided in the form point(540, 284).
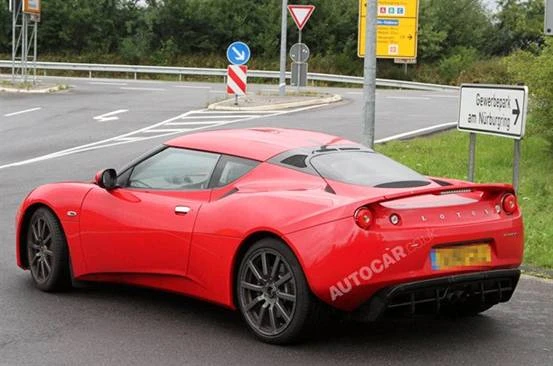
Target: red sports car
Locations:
point(278, 223)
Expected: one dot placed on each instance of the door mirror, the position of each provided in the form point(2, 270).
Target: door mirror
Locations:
point(106, 179)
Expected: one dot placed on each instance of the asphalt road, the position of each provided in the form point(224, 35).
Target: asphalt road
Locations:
point(127, 326)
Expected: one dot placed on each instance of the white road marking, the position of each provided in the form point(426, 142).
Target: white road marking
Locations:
point(209, 111)
point(194, 123)
point(408, 98)
point(131, 137)
point(107, 83)
point(166, 130)
point(142, 89)
point(218, 122)
point(21, 112)
point(111, 116)
point(217, 116)
point(415, 132)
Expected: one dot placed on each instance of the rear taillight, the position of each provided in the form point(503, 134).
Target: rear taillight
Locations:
point(363, 218)
point(509, 203)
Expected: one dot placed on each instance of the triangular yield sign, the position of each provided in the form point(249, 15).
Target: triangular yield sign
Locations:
point(301, 14)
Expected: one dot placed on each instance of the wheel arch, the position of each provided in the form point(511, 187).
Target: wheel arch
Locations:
point(250, 240)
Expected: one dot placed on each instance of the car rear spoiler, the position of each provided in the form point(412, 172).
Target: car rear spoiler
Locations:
point(451, 189)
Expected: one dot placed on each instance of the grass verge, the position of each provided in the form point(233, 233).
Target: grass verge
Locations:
point(446, 154)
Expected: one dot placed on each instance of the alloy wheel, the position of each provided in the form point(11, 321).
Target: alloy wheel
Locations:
point(267, 292)
point(41, 256)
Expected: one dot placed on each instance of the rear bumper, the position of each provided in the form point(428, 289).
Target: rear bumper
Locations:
point(479, 289)
point(346, 266)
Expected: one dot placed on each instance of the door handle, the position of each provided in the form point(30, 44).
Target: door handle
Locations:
point(182, 210)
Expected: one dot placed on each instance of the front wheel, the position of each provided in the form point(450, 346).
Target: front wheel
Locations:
point(273, 295)
point(47, 252)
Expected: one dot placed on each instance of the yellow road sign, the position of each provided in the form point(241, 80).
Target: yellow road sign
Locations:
point(397, 23)
point(31, 7)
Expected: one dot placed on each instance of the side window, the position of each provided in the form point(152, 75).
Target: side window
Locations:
point(174, 169)
point(231, 168)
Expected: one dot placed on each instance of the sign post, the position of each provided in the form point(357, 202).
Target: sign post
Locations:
point(548, 24)
point(300, 14)
point(238, 54)
point(497, 110)
point(299, 53)
point(283, 31)
point(25, 18)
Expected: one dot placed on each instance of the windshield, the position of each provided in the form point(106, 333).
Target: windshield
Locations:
point(367, 169)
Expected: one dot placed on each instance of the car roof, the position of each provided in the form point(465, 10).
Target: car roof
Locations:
point(256, 143)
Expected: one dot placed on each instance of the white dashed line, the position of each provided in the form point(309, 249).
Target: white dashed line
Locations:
point(21, 112)
point(111, 116)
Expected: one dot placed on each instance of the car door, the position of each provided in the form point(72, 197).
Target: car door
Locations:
point(146, 225)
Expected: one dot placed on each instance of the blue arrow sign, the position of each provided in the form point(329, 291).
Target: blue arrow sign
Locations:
point(238, 53)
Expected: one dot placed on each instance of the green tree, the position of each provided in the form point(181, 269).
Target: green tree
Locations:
point(518, 25)
point(447, 25)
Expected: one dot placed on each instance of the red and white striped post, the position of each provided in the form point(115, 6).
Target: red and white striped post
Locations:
point(237, 82)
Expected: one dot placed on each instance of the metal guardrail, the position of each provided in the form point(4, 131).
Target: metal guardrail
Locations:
point(193, 71)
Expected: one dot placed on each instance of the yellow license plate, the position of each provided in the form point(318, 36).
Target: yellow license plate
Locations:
point(461, 256)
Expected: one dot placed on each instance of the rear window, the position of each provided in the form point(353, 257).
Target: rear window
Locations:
point(367, 169)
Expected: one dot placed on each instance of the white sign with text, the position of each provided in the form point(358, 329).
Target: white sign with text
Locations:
point(493, 109)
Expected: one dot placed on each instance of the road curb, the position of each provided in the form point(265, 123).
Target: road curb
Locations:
point(537, 271)
point(51, 89)
point(276, 106)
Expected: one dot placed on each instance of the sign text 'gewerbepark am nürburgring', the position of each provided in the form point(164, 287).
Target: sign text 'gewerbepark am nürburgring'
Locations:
point(493, 109)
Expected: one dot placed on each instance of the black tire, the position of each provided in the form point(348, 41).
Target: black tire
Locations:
point(47, 252)
point(276, 304)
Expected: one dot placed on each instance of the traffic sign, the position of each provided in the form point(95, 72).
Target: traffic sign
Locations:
point(299, 52)
point(405, 61)
point(237, 79)
point(301, 14)
point(31, 7)
point(396, 28)
point(493, 109)
point(238, 53)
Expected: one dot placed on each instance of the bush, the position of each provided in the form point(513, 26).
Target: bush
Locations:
point(450, 67)
point(537, 72)
point(492, 71)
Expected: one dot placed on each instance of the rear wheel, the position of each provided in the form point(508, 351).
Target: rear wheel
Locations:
point(47, 252)
point(273, 295)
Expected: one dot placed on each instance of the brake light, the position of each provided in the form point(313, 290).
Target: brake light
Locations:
point(509, 203)
point(363, 218)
